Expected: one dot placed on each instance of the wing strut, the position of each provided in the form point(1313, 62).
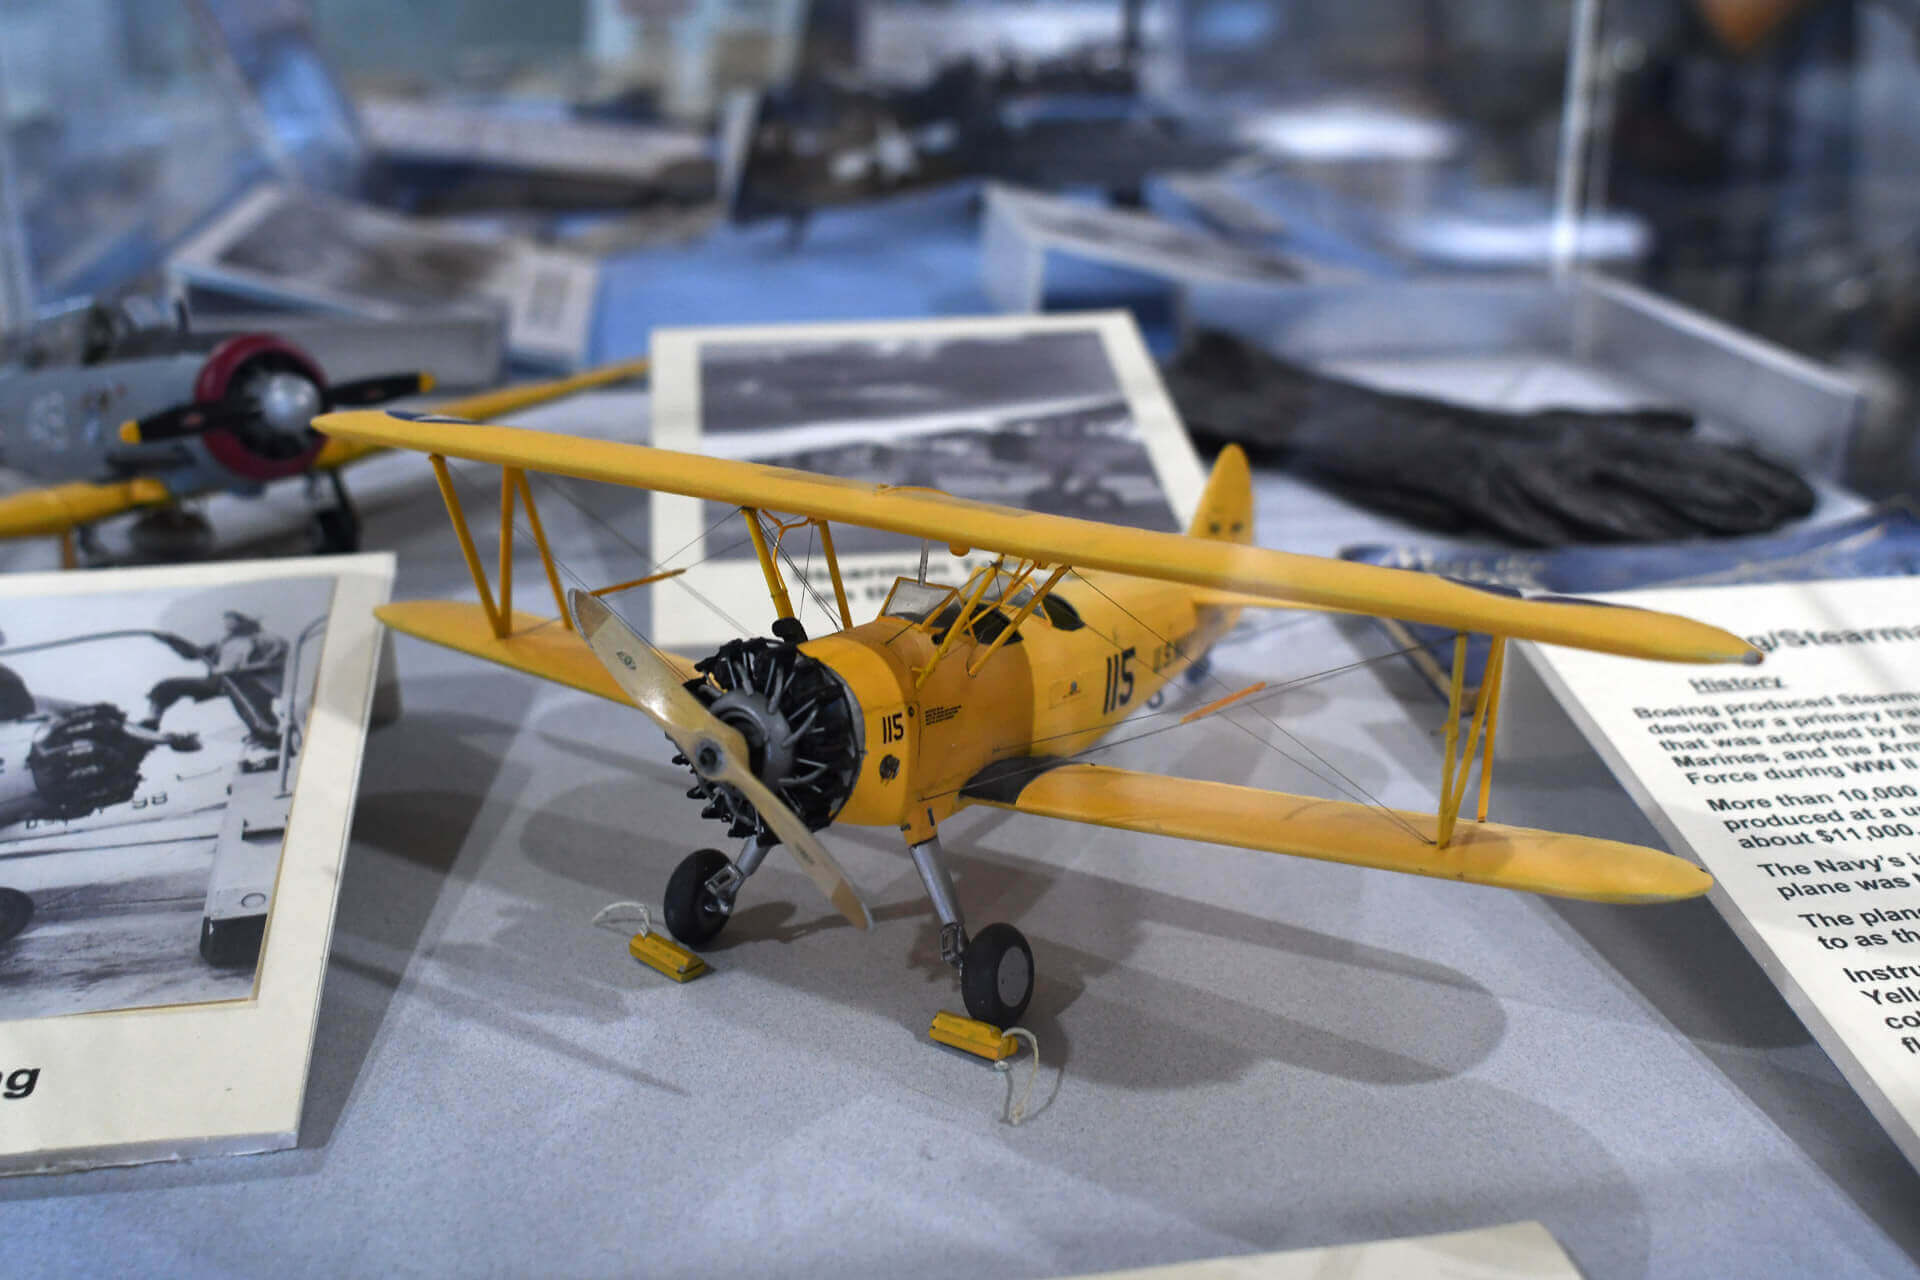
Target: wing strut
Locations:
point(960, 622)
point(1026, 611)
point(1486, 715)
point(833, 571)
point(513, 483)
point(776, 587)
point(540, 541)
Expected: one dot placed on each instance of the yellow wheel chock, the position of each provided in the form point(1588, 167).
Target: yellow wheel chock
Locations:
point(659, 952)
point(981, 1039)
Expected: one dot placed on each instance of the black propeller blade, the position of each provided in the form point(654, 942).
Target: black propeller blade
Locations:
point(365, 391)
point(183, 420)
point(235, 412)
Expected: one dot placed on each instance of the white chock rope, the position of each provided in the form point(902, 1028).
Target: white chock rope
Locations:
point(1017, 1111)
point(626, 913)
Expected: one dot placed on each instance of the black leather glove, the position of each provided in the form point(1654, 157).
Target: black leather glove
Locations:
point(1539, 479)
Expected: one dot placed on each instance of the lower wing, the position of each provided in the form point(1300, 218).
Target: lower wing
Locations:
point(1563, 866)
point(543, 647)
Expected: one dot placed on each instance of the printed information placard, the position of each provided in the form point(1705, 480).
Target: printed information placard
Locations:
point(1797, 784)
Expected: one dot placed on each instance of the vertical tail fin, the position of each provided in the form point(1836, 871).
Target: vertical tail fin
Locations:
point(1226, 504)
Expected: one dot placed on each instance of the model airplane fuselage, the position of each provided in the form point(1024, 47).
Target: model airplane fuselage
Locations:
point(1057, 680)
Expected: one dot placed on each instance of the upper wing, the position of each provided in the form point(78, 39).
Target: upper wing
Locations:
point(55, 509)
point(1269, 575)
point(1479, 852)
point(489, 404)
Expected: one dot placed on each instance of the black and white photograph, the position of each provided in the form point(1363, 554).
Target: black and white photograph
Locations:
point(1033, 420)
point(1057, 414)
point(179, 753)
point(301, 248)
point(149, 746)
point(1036, 223)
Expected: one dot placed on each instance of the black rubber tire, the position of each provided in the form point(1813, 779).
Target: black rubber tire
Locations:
point(996, 975)
point(16, 912)
point(694, 916)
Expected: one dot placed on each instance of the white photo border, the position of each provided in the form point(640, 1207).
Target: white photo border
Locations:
point(227, 1077)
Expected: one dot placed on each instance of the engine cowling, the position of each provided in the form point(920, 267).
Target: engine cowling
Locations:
point(281, 390)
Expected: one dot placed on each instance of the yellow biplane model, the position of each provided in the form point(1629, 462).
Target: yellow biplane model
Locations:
point(985, 694)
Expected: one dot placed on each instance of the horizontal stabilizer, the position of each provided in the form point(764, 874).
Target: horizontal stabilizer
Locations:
point(543, 647)
point(1563, 866)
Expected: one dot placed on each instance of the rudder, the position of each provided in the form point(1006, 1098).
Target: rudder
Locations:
point(1226, 504)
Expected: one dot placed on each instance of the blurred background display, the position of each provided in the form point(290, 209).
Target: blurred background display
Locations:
point(1748, 160)
point(1768, 146)
point(123, 131)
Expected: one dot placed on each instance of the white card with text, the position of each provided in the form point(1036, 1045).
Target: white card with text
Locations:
point(1797, 784)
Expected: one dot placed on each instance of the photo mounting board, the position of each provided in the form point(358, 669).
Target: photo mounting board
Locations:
point(1023, 230)
point(160, 1075)
point(1062, 413)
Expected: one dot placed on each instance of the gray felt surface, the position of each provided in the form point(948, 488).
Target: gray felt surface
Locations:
point(1241, 1052)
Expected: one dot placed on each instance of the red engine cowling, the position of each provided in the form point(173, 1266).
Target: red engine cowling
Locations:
point(229, 370)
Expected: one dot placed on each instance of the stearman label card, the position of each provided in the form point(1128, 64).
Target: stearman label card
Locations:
point(179, 753)
point(1796, 783)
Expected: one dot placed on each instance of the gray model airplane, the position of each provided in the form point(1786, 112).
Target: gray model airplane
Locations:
point(119, 409)
point(115, 409)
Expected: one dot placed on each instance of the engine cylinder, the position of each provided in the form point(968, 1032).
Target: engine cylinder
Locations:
point(800, 723)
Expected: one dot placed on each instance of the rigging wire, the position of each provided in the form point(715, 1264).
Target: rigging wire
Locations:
point(1274, 691)
point(779, 549)
point(659, 565)
point(461, 479)
point(1344, 783)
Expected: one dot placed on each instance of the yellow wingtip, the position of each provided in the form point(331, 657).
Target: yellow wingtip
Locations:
point(130, 432)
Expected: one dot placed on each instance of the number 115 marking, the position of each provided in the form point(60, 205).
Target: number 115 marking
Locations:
point(1119, 680)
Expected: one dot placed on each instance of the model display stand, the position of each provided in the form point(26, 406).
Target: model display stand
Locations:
point(1025, 230)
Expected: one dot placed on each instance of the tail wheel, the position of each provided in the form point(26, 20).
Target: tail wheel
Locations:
point(996, 975)
point(694, 915)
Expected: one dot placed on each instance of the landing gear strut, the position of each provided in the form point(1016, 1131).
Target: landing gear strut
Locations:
point(996, 966)
point(335, 530)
